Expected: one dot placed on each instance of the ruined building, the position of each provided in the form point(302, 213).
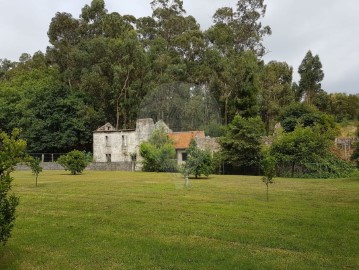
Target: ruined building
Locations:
point(112, 145)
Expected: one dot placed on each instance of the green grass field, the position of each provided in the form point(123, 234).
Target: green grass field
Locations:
point(122, 220)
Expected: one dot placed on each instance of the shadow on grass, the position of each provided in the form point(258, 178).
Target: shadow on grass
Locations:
point(199, 178)
point(9, 256)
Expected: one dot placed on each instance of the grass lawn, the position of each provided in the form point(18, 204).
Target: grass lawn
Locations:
point(123, 220)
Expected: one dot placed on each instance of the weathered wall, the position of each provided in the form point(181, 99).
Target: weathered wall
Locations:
point(94, 166)
point(118, 145)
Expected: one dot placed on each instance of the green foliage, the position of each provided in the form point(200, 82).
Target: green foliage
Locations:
point(241, 145)
point(305, 152)
point(74, 161)
point(311, 74)
point(308, 116)
point(198, 161)
point(240, 29)
point(276, 92)
point(35, 165)
point(12, 151)
point(343, 106)
point(355, 155)
point(303, 145)
point(158, 153)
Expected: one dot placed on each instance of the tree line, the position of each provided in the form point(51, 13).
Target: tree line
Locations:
point(100, 66)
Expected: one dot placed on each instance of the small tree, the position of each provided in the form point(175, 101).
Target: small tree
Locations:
point(198, 161)
point(12, 151)
point(35, 167)
point(158, 153)
point(75, 161)
point(269, 169)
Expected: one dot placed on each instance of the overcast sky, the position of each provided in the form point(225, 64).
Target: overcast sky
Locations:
point(326, 27)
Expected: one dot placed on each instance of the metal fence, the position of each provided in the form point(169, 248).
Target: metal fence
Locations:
point(47, 157)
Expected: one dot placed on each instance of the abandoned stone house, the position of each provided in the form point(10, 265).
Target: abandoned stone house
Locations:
point(112, 145)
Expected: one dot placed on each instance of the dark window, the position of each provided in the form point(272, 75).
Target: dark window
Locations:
point(108, 157)
point(107, 141)
point(124, 141)
point(184, 156)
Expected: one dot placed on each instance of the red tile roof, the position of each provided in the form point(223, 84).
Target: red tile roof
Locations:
point(181, 140)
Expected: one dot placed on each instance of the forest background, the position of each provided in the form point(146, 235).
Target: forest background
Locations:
point(100, 66)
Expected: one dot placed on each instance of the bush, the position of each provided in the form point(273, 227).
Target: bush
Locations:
point(75, 161)
point(12, 151)
point(158, 153)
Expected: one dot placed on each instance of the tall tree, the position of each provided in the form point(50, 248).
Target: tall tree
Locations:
point(240, 29)
point(311, 74)
point(238, 85)
point(276, 92)
point(173, 41)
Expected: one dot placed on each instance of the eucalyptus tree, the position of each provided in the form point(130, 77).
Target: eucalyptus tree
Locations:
point(104, 61)
point(240, 29)
point(311, 75)
point(173, 41)
point(276, 92)
point(238, 85)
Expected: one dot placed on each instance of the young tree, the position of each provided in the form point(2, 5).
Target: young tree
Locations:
point(158, 153)
point(35, 167)
point(311, 74)
point(75, 161)
point(198, 161)
point(269, 170)
point(12, 151)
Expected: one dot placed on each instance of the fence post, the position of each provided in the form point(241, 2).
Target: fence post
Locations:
point(42, 157)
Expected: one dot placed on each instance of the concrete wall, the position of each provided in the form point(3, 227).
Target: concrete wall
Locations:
point(94, 166)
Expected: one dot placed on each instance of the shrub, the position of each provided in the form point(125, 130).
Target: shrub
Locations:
point(12, 151)
point(75, 161)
